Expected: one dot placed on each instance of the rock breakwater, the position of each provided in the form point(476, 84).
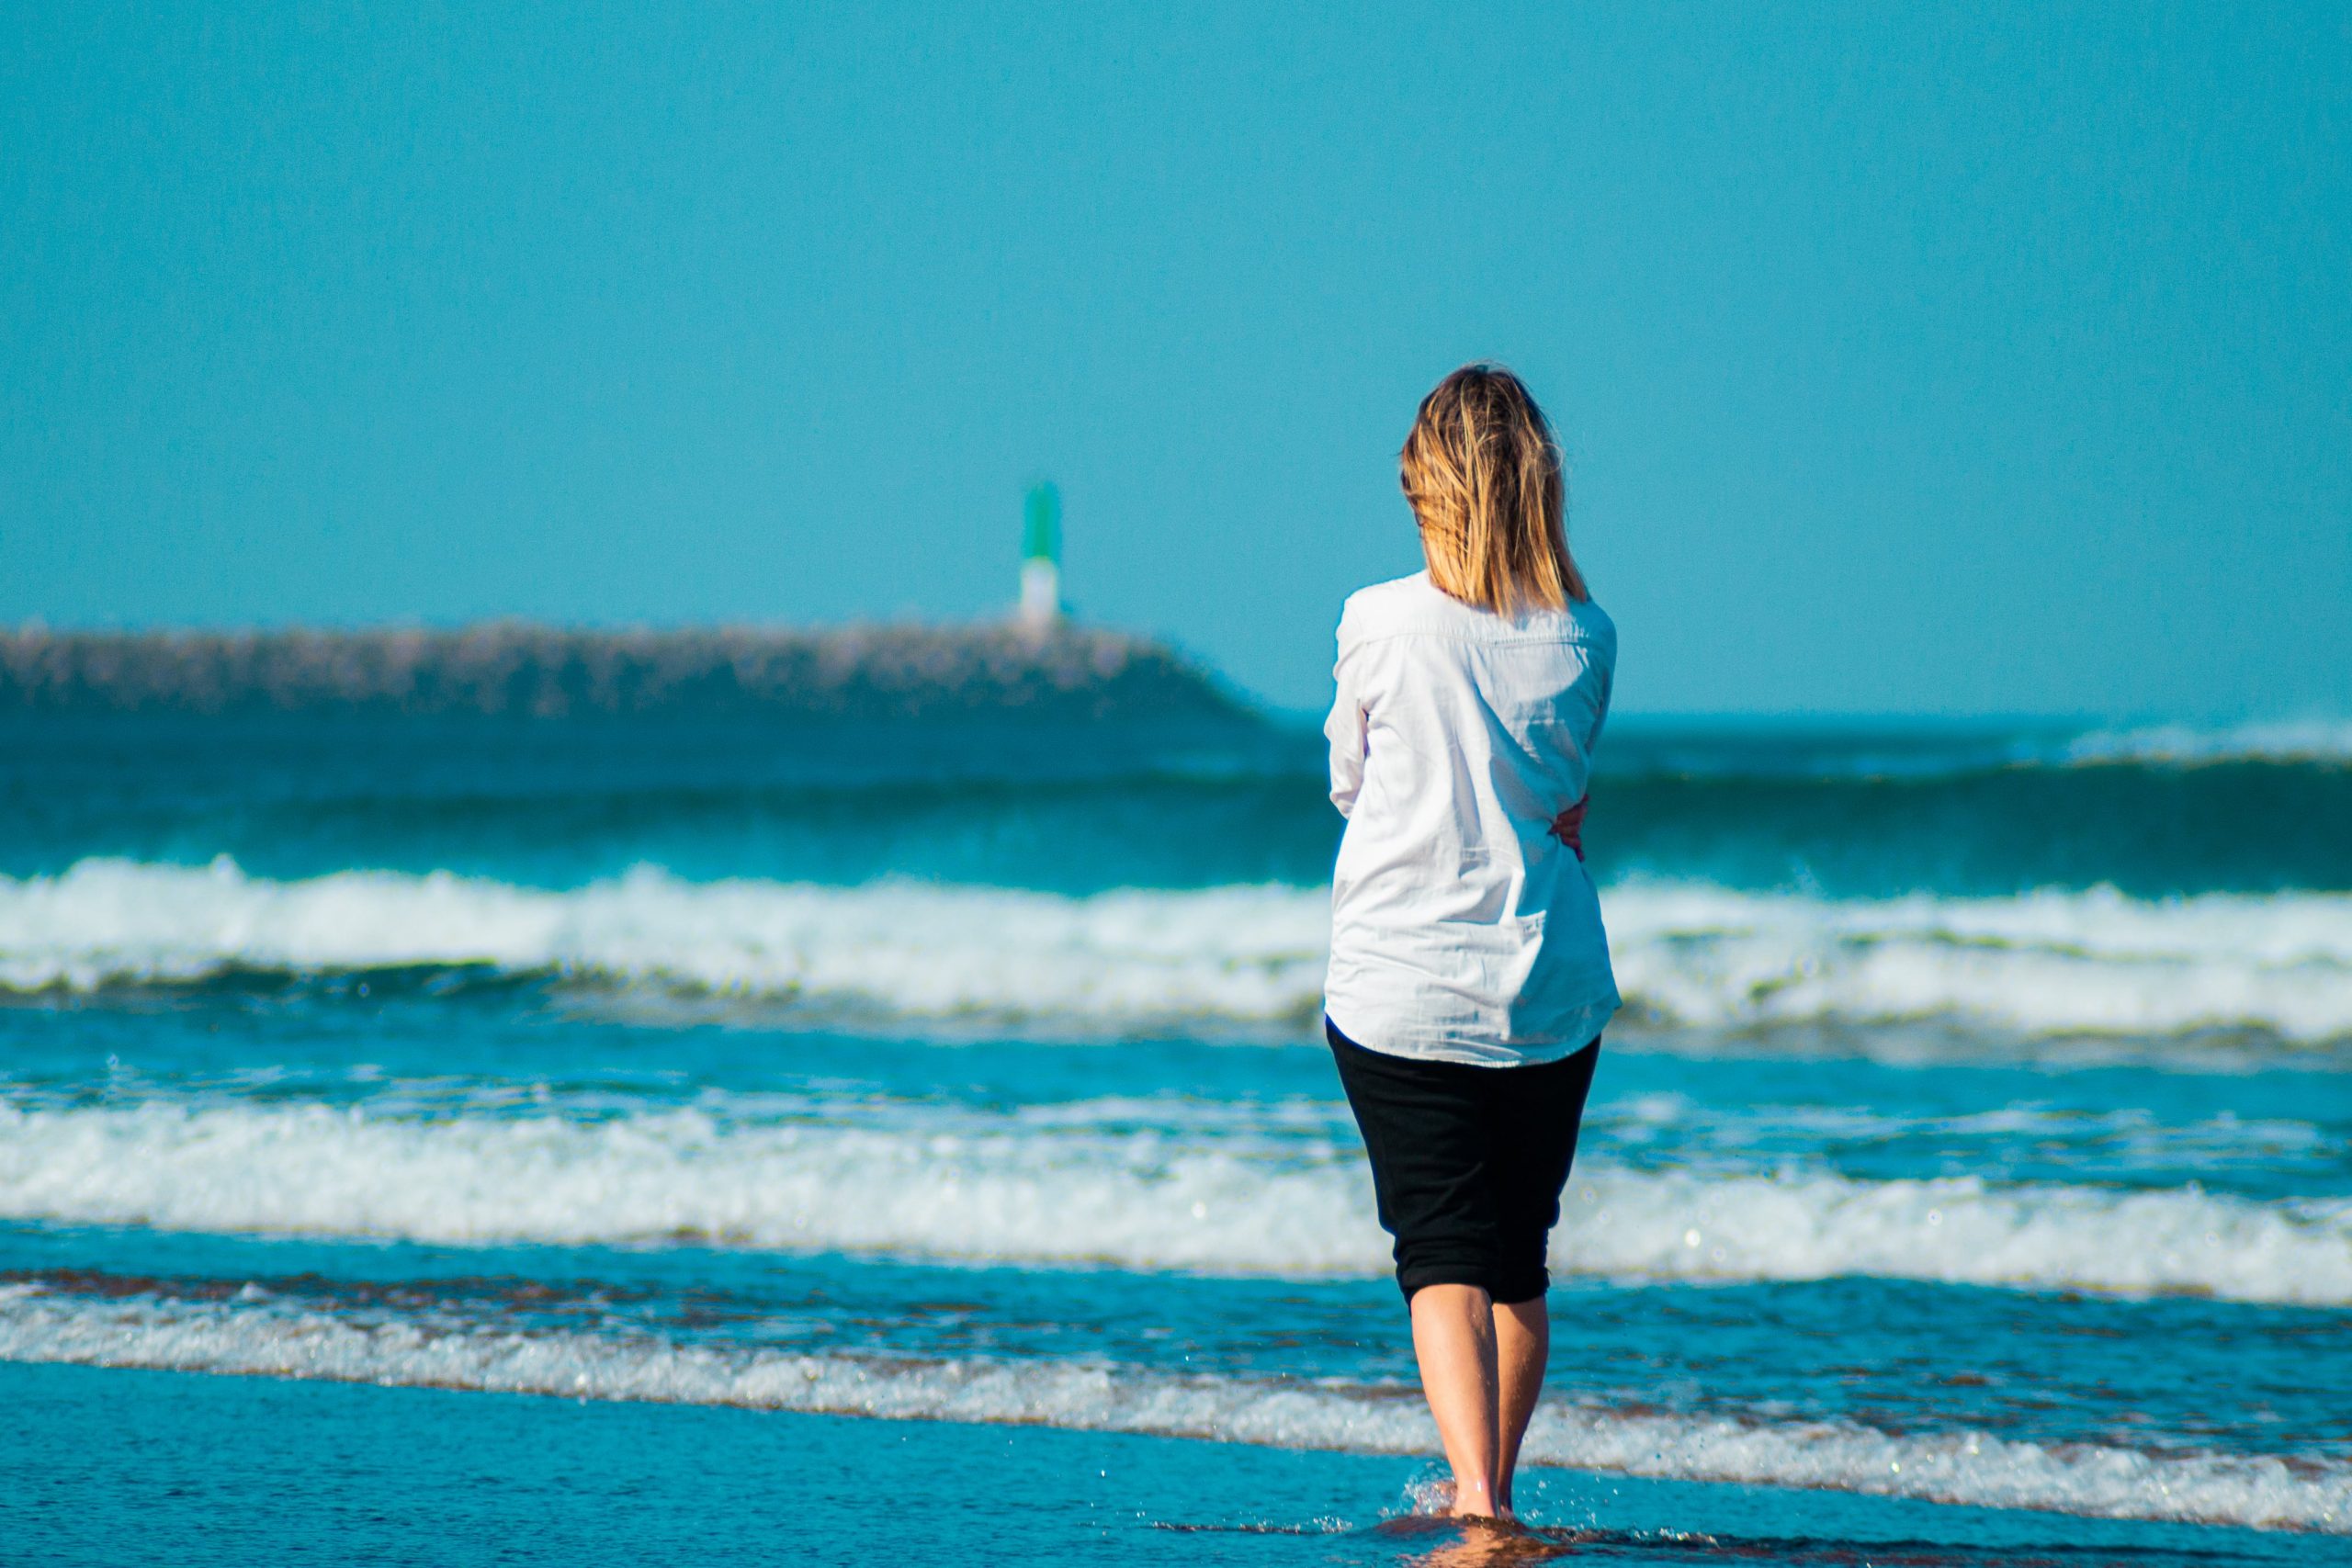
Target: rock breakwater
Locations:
point(524, 670)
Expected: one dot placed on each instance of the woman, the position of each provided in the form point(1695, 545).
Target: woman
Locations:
point(1469, 977)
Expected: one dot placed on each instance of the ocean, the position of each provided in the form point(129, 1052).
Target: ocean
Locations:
point(464, 1136)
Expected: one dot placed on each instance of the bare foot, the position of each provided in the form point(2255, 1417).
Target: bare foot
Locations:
point(1475, 1502)
point(1490, 1543)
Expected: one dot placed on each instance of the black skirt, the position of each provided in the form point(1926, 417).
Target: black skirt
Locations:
point(1467, 1162)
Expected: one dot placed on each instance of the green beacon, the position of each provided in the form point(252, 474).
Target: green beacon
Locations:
point(1041, 553)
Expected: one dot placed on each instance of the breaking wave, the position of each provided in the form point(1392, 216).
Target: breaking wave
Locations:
point(2325, 741)
point(257, 1337)
point(2053, 962)
point(1026, 1193)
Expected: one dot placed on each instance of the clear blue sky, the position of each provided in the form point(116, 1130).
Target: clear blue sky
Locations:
point(1963, 359)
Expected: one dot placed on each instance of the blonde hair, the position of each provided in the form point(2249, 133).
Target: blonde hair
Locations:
point(1483, 475)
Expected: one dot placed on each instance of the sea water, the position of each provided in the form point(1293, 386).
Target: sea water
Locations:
point(428, 1123)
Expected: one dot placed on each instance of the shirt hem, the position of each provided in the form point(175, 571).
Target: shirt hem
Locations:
point(1487, 1052)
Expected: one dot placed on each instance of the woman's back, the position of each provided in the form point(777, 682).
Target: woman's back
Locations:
point(1469, 976)
point(1462, 930)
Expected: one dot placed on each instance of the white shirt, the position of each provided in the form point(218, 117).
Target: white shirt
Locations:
point(1462, 931)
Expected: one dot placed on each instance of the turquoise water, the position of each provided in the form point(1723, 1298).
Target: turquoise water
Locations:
point(324, 1471)
point(603, 1138)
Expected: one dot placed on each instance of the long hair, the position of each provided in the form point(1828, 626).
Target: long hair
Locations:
point(1483, 475)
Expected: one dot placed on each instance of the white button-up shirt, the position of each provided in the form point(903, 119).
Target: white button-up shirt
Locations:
point(1462, 929)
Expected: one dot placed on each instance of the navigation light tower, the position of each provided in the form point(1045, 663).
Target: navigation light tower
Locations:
point(1041, 555)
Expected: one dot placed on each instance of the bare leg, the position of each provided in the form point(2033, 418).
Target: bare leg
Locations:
point(1454, 1336)
point(1523, 1346)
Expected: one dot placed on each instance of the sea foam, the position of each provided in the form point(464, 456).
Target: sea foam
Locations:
point(2054, 963)
point(258, 1337)
point(1145, 1200)
point(2324, 741)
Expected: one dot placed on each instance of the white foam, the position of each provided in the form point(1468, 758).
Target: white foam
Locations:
point(2301, 740)
point(1020, 1191)
point(2092, 962)
point(2086, 963)
point(259, 1339)
point(1245, 953)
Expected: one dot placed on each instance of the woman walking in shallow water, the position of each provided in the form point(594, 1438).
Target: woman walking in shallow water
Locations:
point(1469, 976)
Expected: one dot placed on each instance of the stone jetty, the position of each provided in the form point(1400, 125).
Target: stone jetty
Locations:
point(540, 672)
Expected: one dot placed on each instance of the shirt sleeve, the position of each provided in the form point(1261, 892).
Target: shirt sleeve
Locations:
point(1600, 713)
point(1346, 729)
